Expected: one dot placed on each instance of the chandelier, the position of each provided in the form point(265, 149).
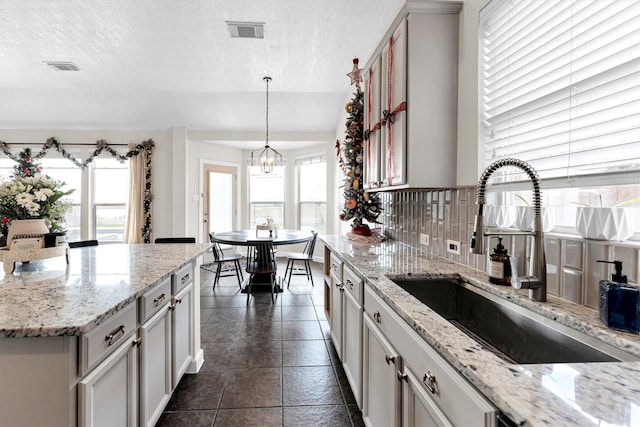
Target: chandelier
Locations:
point(266, 157)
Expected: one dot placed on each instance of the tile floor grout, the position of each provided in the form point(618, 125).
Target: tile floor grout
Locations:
point(218, 396)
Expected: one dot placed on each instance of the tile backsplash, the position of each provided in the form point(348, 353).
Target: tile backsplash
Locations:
point(447, 217)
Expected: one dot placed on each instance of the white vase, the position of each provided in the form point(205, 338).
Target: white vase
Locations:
point(498, 216)
point(26, 226)
point(525, 216)
point(603, 223)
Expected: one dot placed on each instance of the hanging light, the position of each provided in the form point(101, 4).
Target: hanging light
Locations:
point(267, 158)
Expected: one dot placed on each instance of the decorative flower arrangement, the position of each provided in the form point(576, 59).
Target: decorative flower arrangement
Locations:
point(359, 205)
point(29, 194)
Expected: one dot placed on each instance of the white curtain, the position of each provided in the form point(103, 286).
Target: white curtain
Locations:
point(135, 205)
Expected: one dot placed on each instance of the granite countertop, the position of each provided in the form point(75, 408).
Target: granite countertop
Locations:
point(563, 394)
point(51, 298)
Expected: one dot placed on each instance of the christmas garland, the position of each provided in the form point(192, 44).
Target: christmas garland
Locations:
point(102, 145)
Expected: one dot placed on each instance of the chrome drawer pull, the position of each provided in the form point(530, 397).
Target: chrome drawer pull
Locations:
point(429, 380)
point(158, 300)
point(185, 278)
point(376, 317)
point(389, 359)
point(115, 335)
point(350, 283)
point(137, 342)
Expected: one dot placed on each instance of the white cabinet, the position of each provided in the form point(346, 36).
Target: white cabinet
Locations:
point(381, 387)
point(427, 390)
point(410, 96)
point(155, 353)
point(352, 331)
point(336, 289)
point(108, 395)
point(181, 321)
point(418, 408)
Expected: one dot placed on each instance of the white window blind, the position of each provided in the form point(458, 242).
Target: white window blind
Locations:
point(560, 87)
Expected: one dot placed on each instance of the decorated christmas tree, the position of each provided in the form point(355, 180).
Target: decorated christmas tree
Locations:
point(359, 205)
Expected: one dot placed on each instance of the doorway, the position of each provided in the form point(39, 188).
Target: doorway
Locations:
point(219, 198)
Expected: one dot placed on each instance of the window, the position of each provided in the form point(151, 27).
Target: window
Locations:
point(266, 196)
point(98, 210)
point(311, 181)
point(560, 89)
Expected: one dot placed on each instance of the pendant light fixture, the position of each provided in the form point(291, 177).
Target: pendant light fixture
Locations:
point(267, 158)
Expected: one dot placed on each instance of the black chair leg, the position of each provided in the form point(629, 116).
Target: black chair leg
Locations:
point(238, 272)
point(289, 270)
point(309, 275)
point(217, 278)
point(248, 288)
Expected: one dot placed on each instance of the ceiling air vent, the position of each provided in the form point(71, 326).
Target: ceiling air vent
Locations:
point(62, 66)
point(246, 30)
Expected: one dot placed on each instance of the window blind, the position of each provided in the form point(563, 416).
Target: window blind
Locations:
point(560, 87)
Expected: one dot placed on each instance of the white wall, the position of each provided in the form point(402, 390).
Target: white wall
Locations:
point(468, 160)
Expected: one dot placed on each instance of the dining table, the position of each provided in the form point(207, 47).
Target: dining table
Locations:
point(278, 237)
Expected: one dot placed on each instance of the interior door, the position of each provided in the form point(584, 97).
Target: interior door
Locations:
point(219, 194)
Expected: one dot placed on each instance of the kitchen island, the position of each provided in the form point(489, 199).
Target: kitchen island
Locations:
point(72, 334)
point(561, 394)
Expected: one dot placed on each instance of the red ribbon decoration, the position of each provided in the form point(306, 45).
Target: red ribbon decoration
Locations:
point(389, 132)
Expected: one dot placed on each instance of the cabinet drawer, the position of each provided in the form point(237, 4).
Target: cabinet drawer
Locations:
point(336, 265)
point(155, 298)
point(182, 278)
point(352, 283)
point(380, 313)
point(102, 340)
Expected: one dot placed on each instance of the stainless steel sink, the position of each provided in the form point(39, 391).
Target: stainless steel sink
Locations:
point(510, 331)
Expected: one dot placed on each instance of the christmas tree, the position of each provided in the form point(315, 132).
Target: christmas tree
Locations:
point(359, 205)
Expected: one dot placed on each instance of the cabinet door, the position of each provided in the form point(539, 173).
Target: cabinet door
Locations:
point(394, 94)
point(418, 408)
point(182, 333)
point(381, 404)
point(372, 111)
point(108, 395)
point(155, 366)
point(337, 292)
point(352, 347)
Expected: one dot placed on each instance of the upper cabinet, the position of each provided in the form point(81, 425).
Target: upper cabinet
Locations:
point(410, 97)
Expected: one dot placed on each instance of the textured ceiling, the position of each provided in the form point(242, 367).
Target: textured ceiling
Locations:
point(154, 64)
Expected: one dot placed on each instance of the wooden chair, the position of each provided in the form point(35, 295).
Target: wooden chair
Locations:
point(175, 240)
point(306, 257)
point(220, 258)
point(83, 243)
point(261, 261)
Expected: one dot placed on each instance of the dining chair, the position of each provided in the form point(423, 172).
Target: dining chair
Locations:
point(175, 240)
point(261, 260)
point(83, 243)
point(220, 258)
point(306, 256)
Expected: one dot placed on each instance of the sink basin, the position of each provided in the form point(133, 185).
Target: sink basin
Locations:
point(513, 333)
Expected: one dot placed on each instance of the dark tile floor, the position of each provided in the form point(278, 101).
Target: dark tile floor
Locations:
point(265, 364)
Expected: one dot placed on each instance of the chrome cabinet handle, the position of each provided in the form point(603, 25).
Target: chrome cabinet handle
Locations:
point(159, 300)
point(137, 342)
point(350, 283)
point(429, 380)
point(389, 359)
point(186, 278)
point(376, 317)
point(175, 304)
point(115, 335)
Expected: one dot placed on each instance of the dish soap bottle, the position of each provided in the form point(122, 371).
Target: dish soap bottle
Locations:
point(619, 302)
point(499, 265)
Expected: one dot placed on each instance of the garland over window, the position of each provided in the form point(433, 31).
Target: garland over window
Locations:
point(102, 145)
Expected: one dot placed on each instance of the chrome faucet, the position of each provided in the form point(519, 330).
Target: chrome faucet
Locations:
point(536, 281)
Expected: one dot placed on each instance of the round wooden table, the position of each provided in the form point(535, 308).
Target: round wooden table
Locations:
point(279, 238)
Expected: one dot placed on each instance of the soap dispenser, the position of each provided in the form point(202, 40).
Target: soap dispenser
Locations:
point(619, 302)
point(500, 265)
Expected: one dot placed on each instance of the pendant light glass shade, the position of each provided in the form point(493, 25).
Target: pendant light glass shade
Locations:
point(267, 158)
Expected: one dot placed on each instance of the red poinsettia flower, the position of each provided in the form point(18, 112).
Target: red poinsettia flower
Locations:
point(5, 219)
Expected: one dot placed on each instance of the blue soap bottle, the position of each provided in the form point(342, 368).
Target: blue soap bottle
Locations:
point(619, 302)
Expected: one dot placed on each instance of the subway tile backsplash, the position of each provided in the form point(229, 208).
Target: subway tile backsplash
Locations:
point(572, 271)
